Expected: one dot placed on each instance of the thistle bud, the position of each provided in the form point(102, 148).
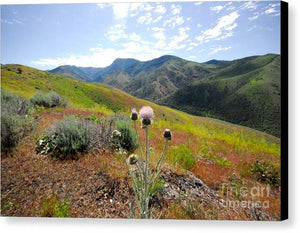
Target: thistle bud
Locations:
point(146, 121)
point(116, 134)
point(133, 159)
point(134, 114)
point(168, 134)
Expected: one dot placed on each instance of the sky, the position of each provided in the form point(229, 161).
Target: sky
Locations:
point(45, 36)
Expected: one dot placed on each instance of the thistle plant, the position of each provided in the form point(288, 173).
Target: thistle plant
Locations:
point(143, 177)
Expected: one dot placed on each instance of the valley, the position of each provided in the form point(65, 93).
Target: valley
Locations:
point(206, 157)
point(244, 91)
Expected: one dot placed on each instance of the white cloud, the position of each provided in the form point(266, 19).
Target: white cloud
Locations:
point(146, 7)
point(222, 30)
point(199, 25)
point(160, 9)
point(103, 5)
point(120, 10)
point(253, 17)
point(198, 3)
point(157, 19)
point(7, 21)
point(219, 48)
point(175, 9)
point(116, 32)
point(230, 8)
point(159, 36)
point(192, 57)
point(134, 37)
point(252, 28)
point(17, 21)
point(249, 6)
point(226, 35)
point(270, 11)
point(158, 29)
point(217, 9)
point(174, 21)
point(274, 5)
point(146, 18)
point(13, 21)
point(101, 57)
point(193, 44)
point(176, 41)
point(135, 6)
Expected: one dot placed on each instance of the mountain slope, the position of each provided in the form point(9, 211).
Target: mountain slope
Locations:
point(246, 92)
point(81, 73)
point(221, 153)
point(149, 80)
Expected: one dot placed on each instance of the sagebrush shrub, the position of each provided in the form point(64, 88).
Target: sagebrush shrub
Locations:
point(57, 100)
point(128, 138)
point(48, 100)
point(14, 104)
point(16, 120)
point(101, 131)
point(41, 99)
point(70, 136)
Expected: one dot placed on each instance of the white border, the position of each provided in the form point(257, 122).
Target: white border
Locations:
point(44, 225)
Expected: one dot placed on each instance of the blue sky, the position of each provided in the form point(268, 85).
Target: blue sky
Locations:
point(45, 36)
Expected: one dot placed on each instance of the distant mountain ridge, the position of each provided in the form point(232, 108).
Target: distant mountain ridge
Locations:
point(244, 91)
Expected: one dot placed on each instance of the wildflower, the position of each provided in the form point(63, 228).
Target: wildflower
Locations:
point(134, 114)
point(146, 113)
point(133, 159)
point(168, 134)
point(116, 134)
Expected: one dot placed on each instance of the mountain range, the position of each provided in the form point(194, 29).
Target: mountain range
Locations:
point(244, 91)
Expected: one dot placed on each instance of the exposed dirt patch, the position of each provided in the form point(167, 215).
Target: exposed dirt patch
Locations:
point(97, 185)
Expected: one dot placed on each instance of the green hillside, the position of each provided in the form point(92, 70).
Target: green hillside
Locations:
point(215, 151)
point(245, 92)
point(27, 81)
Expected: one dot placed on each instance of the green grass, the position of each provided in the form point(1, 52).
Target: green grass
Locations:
point(245, 92)
point(97, 98)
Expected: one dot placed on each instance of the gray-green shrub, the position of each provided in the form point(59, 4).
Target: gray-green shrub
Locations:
point(57, 100)
point(128, 138)
point(16, 119)
point(48, 100)
point(41, 99)
point(70, 136)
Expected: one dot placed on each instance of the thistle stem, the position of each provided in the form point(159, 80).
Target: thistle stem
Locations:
point(158, 165)
point(146, 200)
point(135, 188)
point(138, 141)
point(140, 149)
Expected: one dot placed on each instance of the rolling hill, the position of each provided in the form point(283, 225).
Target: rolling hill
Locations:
point(223, 153)
point(244, 91)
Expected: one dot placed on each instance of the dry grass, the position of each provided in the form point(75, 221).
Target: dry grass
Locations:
point(97, 184)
